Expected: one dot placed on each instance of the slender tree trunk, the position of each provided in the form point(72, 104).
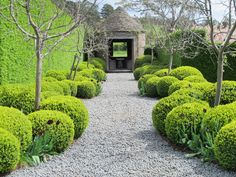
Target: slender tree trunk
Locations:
point(152, 55)
point(88, 62)
point(170, 61)
point(72, 67)
point(77, 66)
point(220, 73)
point(39, 66)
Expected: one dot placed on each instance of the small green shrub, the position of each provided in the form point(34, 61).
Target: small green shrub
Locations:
point(57, 125)
point(150, 69)
point(17, 123)
point(86, 89)
point(49, 79)
point(151, 86)
point(218, 117)
point(228, 94)
point(52, 87)
point(225, 143)
point(141, 60)
point(72, 107)
point(190, 92)
point(87, 73)
point(99, 74)
point(138, 73)
point(185, 71)
point(98, 63)
point(161, 73)
point(85, 65)
point(195, 79)
point(58, 74)
point(164, 84)
point(183, 120)
point(80, 78)
point(9, 151)
point(65, 86)
point(164, 106)
point(97, 84)
point(48, 94)
point(73, 86)
point(179, 85)
point(142, 83)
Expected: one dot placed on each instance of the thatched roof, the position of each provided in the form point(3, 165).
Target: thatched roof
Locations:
point(120, 21)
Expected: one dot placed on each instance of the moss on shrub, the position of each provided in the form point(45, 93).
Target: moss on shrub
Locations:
point(185, 71)
point(9, 151)
point(195, 79)
point(71, 106)
point(164, 84)
point(17, 123)
point(161, 73)
point(58, 74)
point(224, 148)
point(151, 86)
point(57, 125)
point(183, 120)
point(164, 106)
point(86, 89)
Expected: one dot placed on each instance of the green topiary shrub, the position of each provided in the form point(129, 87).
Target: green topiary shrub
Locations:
point(57, 125)
point(183, 120)
point(9, 151)
point(151, 86)
point(161, 73)
point(138, 73)
point(71, 106)
point(99, 74)
point(52, 87)
point(218, 117)
point(150, 69)
point(224, 148)
point(18, 96)
point(49, 79)
point(141, 60)
point(81, 78)
point(228, 94)
point(85, 65)
point(87, 73)
point(58, 74)
point(98, 63)
point(164, 106)
point(86, 89)
point(142, 83)
point(97, 85)
point(185, 71)
point(48, 94)
point(179, 85)
point(17, 123)
point(190, 92)
point(195, 79)
point(65, 86)
point(73, 86)
point(164, 84)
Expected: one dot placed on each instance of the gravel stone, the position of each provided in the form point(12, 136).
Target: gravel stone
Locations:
point(121, 142)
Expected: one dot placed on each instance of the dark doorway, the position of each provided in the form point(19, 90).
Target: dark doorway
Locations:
point(121, 52)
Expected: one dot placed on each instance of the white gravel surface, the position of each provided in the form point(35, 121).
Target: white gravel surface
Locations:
point(121, 142)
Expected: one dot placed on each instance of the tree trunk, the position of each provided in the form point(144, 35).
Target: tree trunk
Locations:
point(88, 62)
point(39, 66)
point(220, 73)
point(152, 55)
point(170, 62)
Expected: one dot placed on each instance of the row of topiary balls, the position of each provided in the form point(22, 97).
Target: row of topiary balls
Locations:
point(185, 116)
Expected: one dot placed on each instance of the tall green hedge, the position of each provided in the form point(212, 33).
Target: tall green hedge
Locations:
point(17, 58)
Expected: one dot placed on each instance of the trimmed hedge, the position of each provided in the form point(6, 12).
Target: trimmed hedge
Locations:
point(9, 151)
point(52, 87)
point(73, 86)
point(164, 106)
point(185, 71)
point(195, 79)
point(142, 83)
point(141, 60)
point(138, 73)
point(85, 65)
point(218, 117)
point(17, 123)
point(183, 120)
point(179, 85)
point(161, 73)
point(99, 75)
point(72, 107)
point(57, 74)
point(224, 148)
point(65, 86)
point(151, 86)
point(99, 63)
point(49, 79)
point(86, 89)
point(164, 84)
point(48, 94)
point(57, 125)
point(190, 92)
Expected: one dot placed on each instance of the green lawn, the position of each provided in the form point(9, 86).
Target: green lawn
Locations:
point(120, 53)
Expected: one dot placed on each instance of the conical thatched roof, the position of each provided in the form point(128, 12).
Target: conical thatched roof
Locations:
point(120, 21)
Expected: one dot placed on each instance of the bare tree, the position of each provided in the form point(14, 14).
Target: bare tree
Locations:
point(43, 27)
point(221, 50)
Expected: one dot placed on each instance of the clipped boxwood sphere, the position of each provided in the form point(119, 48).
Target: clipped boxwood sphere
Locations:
point(195, 79)
point(87, 73)
point(185, 71)
point(52, 87)
point(73, 86)
point(65, 86)
point(49, 79)
point(183, 119)
point(98, 63)
point(224, 147)
point(161, 73)
point(57, 125)
point(190, 92)
point(57, 74)
point(85, 65)
point(218, 117)
point(164, 84)
point(48, 94)
point(142, 81)
point(71, 106)
point(141, 60)
point(151, 86)
point(179, 85)
point(9, 151)
point(97, 84)
point(138, 73)
point(164, 106)
point(17, 123)
point(228, 94)
point(86, 89)
point(99, 74)
point(150, 69)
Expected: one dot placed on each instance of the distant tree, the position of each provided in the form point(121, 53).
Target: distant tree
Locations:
point(107, 10)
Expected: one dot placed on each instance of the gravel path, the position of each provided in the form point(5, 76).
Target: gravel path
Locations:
point(121, 142)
